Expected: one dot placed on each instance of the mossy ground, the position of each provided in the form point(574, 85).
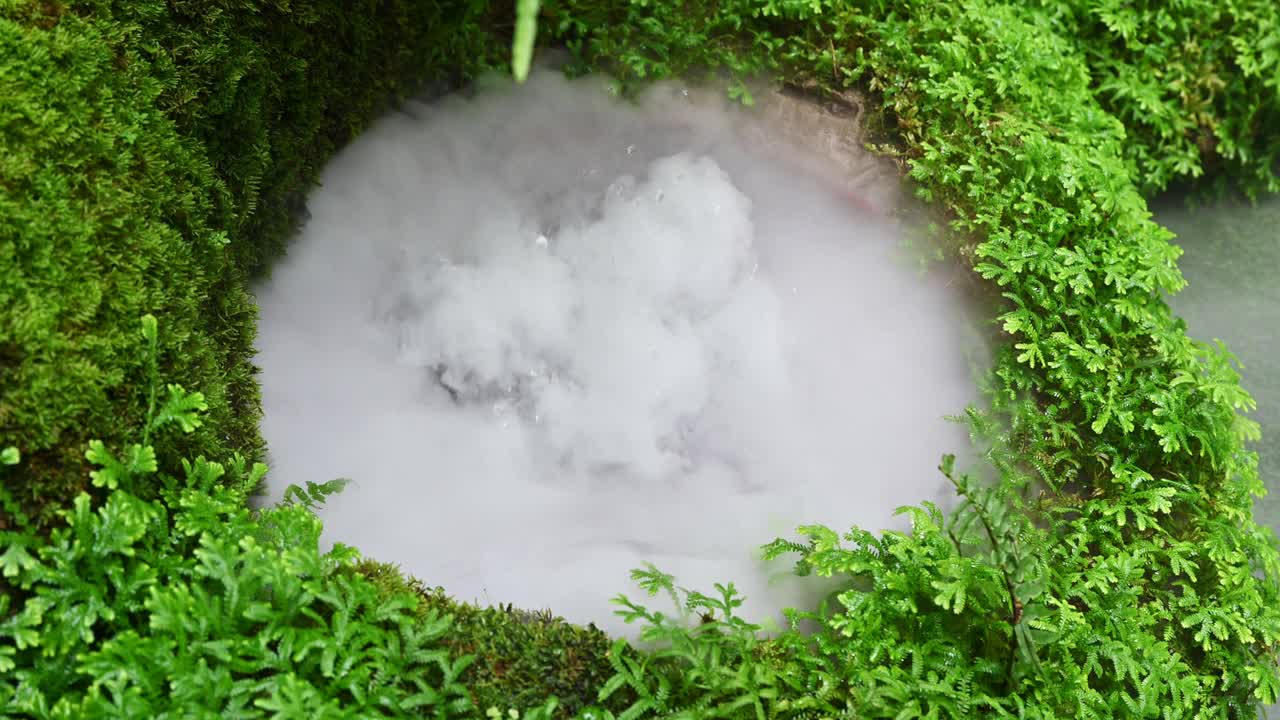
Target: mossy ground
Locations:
point(151, 159)
point(152, 154)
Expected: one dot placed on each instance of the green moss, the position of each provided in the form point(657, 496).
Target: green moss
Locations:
point(152, 156)
point(104, 213)
point(522, 657)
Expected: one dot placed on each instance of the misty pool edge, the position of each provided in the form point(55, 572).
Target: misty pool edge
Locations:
point(666, 121)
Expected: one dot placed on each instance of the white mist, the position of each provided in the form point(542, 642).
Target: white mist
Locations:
point(550, 337)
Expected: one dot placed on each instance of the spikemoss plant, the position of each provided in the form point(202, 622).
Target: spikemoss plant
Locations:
point(522, 657)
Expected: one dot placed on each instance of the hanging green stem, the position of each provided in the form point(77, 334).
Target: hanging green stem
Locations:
point(526, 33)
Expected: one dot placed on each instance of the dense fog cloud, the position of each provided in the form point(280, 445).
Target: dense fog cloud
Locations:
point(551, 336)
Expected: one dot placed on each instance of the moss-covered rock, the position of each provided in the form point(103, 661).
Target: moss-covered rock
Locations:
point(152, 156)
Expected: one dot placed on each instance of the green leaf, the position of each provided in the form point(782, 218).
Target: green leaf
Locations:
point(181, 407)
point(16, 560)
point(149, 328)
point(111, 471)
point(951, 595)
point(140, 460)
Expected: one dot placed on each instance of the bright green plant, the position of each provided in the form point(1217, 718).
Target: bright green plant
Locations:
point(713, 669)
point(191, 605)
point(937, 622)
point(974, 614)
point(1196, 84)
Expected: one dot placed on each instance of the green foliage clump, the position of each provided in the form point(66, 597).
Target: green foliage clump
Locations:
point(968, 615)
point(188, 604)
point(101, 219)
point(938, 622)
point(1196, 84)
point(521, 657)
point(718, 667)
point(152, 156)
